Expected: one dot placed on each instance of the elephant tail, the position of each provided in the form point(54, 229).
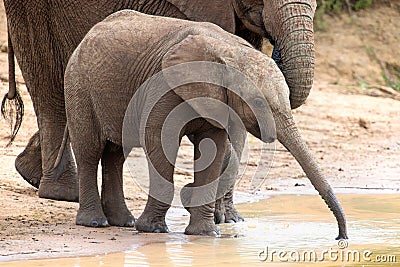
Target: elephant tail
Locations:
point(62, 147)
point(12, 101)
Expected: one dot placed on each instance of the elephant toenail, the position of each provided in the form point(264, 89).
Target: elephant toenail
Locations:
point(217, 233)
point(130, 223)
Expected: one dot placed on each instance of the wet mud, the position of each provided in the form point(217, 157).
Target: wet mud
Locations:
point(282, 230)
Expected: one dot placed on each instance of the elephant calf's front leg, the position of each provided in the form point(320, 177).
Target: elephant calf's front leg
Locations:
point(161, 190)
point(225, 210)
point(232, 215)
point(199, 197)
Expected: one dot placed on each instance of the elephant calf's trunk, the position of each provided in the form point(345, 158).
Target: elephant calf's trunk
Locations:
point(289, 136)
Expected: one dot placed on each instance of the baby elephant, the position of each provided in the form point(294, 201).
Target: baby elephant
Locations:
point(111, 109)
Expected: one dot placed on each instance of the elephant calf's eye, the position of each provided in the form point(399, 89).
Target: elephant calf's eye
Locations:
point(259, 102)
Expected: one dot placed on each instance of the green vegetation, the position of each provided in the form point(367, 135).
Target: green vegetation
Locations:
point(361, 4)
point(391, 75)
point(336, 7)
point(330, 5)
point(339, 5)
point(390, 72)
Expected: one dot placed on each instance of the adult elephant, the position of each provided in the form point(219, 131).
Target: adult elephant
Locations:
point(43, 34)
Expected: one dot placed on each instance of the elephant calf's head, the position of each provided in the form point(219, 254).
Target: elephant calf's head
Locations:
point(204, 72)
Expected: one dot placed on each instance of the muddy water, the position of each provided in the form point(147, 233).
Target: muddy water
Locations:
point(278, 232)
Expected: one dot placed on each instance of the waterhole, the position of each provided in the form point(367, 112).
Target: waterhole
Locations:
point(284, 230)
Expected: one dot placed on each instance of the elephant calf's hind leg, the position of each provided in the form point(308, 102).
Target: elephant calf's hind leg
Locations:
point(112, 194)
point(90, 211)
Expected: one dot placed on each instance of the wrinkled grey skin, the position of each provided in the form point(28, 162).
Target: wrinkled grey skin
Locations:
point(99, 86)
point(45, 33)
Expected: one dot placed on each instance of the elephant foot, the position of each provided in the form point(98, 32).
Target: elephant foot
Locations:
point(202, 221)
point(119, 217)
point(151, 224)
point(219, 213)
point(226, 212)
point(91, 219)
point(202, 227)
point(29, 163)
point(122, 221)
point(62, 189)
point(232, 215)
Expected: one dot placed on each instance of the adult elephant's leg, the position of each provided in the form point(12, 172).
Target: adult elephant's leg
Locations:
point(112, 192)
point(29, 165)
point(41, 59)
point(199, 197)
point(161, 189)
point(60, 183)
point(36, 162)
point(47, 94)
point(29, 162)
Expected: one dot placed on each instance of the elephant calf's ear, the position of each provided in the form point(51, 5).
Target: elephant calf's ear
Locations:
point(189, 69)
point(192, 48)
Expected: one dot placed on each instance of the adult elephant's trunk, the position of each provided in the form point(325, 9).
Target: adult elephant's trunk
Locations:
point(289, 136)
point(290, 24)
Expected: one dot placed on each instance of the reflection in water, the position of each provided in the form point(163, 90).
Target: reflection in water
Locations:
point(281, 224)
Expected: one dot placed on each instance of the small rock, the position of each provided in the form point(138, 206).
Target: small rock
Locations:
point(364, 123)
point(4, 47)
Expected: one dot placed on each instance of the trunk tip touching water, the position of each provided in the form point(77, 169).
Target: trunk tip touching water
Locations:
point(336, 208)
point(289, 136)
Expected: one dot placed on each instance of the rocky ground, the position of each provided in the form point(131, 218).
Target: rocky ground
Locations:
point(351, 122)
